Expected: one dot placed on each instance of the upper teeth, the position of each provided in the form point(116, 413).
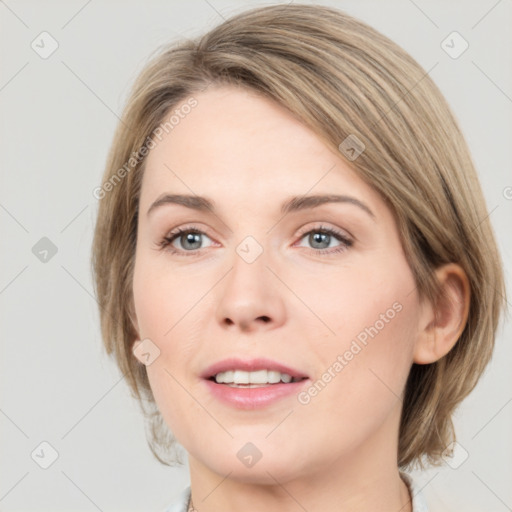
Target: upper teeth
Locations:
point(257, 377)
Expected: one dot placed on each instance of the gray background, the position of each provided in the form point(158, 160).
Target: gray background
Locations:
point(57, 120)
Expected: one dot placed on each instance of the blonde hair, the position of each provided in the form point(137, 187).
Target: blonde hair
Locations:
point(341, 78)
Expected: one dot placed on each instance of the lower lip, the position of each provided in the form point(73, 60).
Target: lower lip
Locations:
point(254, 398)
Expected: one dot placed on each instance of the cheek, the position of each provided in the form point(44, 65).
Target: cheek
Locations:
point(164, 308)
point(164, 390)
point(374, 317)
point(363, 302)
point(362, 381)
point(161, 297)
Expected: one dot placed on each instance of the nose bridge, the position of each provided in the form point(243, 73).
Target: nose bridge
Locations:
point(250, 249)
point(249, 265)
point(248, 296)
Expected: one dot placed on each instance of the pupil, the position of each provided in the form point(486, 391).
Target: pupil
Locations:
point(317, 237)
point(193, 238)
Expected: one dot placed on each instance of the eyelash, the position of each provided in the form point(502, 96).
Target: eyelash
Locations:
point(166, 242)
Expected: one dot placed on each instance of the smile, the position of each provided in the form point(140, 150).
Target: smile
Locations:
point(257, 378)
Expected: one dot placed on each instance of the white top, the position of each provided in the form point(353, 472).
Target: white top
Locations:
point(418, 501)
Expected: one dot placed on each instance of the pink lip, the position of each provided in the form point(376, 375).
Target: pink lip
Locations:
point(252, 398)
point(249, 365)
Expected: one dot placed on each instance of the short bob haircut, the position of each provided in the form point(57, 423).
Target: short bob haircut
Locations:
point(340, 78)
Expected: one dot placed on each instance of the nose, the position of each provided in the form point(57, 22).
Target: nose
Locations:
point(251, 297)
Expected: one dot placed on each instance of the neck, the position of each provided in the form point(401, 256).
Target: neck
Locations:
point(363, 480)
point(399, 500)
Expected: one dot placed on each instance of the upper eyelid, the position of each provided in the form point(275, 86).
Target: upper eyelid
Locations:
point(321, 225)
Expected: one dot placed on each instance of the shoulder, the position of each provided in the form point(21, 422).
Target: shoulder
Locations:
point(418, 500)
point(180, 503)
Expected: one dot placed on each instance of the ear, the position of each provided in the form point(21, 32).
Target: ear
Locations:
point(442, 323)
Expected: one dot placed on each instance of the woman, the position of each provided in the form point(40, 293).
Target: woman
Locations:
point(342, 289)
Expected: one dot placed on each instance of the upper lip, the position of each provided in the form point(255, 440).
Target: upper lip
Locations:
point(249, 365)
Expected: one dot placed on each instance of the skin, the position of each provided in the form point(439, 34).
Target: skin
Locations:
point(339, 451)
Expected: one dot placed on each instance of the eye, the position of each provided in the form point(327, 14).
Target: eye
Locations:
point(189, 237)
point(320, 238)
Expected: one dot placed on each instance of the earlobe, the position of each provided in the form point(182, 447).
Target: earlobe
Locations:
point(443, 322)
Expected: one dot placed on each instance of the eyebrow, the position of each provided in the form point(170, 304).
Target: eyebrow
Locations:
point(291, 205)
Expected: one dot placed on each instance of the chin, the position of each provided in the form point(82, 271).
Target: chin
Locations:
point(264, 470)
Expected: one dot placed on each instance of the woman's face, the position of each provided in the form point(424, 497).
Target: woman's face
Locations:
point(321, 291)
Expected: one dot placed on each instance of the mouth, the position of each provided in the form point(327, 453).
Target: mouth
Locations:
point(238, 378)
point(252, 384)
point(251, 372)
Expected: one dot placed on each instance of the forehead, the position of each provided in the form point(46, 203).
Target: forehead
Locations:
point(238, 146)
